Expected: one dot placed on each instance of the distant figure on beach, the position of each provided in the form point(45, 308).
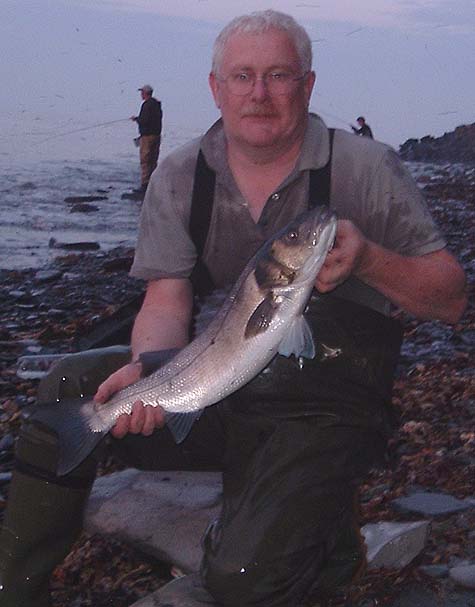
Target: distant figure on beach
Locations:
point(364, 129)
point(150, 130)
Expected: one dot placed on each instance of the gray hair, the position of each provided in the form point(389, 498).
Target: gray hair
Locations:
point(258, 23)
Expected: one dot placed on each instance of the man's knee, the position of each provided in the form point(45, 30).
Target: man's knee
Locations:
point(80, 374)
point(251, 571)
point(278, 583)
point(241, 572)
point(232, 587)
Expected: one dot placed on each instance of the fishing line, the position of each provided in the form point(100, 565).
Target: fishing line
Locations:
point(86, 128)
point(347, 122)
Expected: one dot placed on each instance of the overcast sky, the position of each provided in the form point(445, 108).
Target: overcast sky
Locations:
point(407, 65)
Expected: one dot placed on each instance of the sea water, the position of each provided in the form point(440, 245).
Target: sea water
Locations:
point(42, 164)
point(39, 169)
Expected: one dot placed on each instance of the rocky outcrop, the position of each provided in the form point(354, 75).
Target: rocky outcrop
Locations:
point(455, 146)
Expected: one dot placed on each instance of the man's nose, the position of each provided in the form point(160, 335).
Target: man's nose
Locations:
point(259, 89)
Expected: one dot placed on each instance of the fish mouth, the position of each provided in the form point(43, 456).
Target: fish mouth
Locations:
point(323, 221)
point(322, 236)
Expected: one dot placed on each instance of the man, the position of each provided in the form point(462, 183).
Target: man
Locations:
point(293, 443)
point(150, 129)
point(364, 129)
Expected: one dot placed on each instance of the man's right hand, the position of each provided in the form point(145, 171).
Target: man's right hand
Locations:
point(142, 419)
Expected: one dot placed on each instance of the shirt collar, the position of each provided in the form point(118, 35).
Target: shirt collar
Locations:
point(316, 145)
point(213, 146)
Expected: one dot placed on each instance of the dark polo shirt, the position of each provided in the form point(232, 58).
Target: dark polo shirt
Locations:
point(370, 186)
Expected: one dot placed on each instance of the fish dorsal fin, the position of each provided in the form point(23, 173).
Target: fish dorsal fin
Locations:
point(298, 340)
point(261, 318)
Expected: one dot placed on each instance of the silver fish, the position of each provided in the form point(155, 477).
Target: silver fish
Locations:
point(261, 316)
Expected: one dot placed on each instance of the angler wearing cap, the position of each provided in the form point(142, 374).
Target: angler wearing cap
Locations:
point(364, 130)
point(150, 129)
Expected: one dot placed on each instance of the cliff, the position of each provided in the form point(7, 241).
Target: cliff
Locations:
point(455, 146)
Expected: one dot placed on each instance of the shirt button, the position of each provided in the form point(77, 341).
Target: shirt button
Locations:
point(275, 196)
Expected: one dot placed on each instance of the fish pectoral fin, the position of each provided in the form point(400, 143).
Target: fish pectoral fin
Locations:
point(298, 340)
point(261, 317)
point(180, 424)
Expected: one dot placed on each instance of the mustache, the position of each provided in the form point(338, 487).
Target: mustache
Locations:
point(258, 110)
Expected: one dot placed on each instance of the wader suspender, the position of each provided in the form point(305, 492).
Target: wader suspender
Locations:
point(202, 207)
point(319, 187)
point(200, 219)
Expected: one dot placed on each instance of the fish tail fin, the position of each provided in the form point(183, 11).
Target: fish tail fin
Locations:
point(180, 424)
point(70, 420)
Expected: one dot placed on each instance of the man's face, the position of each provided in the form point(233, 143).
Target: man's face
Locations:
point(261, 118)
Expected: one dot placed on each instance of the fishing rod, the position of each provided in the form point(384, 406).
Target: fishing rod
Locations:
point(85, 128)
point(346, 122)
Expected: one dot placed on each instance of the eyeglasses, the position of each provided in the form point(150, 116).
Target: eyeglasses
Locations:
point(276, 83)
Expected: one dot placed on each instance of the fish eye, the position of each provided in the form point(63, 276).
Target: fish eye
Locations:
point(292, 235)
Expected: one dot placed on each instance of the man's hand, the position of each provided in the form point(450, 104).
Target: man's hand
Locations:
point(344, 259)
point(430, 286)
point(142, 420)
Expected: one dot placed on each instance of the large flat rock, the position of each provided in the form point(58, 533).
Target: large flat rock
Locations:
point(394, 545)
point(165, 514)
point(162, 513)
point(431, 504)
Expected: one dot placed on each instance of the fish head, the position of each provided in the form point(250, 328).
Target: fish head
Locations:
point(297, 252)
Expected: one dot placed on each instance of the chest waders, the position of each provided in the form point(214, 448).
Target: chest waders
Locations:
point(292, 445)
point(297, 443)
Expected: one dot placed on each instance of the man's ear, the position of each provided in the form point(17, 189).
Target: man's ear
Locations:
point(309, 84)
point(214, 86)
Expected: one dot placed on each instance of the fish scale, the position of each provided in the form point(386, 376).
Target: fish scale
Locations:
point(262, 316)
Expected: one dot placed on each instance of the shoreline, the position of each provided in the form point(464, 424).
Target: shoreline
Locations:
point(49, 310)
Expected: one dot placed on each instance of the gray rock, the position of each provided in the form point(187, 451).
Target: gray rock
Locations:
point(435, 571)
point(84, 208)
point(79, 246)
point(71, 276)
point(84, 199)
point(5, 477)
point(7, 441)
point(418, 596)
point(163, 513)
point(18, 294)
point(166, 513)
point(184, 592)
point(464, 575)
point(394, 545)
point(430, 504)
point(47, 275)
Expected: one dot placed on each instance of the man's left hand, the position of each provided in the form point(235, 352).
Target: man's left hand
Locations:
point(344, 259)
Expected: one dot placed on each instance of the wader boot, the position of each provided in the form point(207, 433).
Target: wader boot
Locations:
point(42, 521)
point(44, 514)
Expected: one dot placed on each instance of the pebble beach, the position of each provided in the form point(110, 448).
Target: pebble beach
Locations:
point(57, 292)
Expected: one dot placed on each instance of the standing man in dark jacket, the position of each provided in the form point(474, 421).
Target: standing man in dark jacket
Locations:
point(364, 129)
point(150, 129)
